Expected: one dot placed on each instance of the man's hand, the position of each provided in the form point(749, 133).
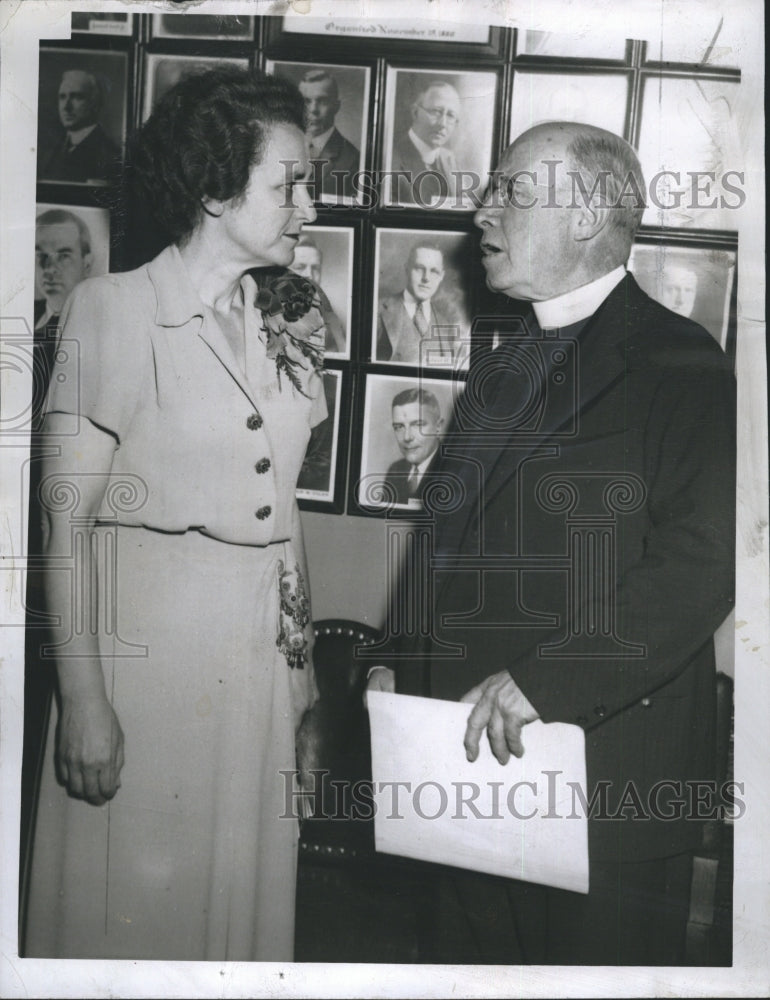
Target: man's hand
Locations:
point(502, 709)
point(380, 679)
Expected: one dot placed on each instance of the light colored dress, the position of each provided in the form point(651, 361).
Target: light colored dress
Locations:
point(195, 857)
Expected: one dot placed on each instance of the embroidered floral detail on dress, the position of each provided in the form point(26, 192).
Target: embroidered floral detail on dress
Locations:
point(294, 615)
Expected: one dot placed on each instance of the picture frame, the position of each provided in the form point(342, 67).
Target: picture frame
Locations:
point(456, 133)
point(325, 255)
point(101, 23)
point(394, 437)
point(596, 97)
point(81, 91)
point(422, 270)
point(371, 36)
point(214, 27)
point(96, 223)
point(701, 137)
point(696, 282)
point(162, 71)
point(321, 481)
point(340, 136)
point(595, 47)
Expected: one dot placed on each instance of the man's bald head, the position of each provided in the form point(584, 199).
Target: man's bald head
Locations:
point(567, 202)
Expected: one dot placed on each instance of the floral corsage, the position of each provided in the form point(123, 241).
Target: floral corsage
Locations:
point(293, 323)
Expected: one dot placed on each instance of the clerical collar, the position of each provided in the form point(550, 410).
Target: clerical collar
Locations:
point(578, 304)
point(427, 153)
point(319, 141)
point(82, 133)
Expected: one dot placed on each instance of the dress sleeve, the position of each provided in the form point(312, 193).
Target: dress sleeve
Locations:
point(103, 357)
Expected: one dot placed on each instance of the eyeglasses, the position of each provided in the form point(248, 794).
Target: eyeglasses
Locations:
point(436, 114)
point(512, 192)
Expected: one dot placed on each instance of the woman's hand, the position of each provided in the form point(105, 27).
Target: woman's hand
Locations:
point(89, 749)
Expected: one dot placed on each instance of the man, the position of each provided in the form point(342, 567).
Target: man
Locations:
point(678, 288)
point(606, 509)
point(308, 263)
point(63, 259)
point(422, 153)
point(411, 327)
point(417, 426)
point(334, 158)
point(85, 155)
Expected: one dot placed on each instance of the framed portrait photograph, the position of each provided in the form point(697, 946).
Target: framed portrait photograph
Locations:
point(72, 243)
point(82, 115)
point(318, 479)
point(558, 45)
point(594, 98)
point(690, 151)
point(162, 72)
point(104, 23)
point(324, 254)
point(439, 130)
point(422, 302)
point(696, 282)
point(217, 27)
point(337, 106)
point(403, 424)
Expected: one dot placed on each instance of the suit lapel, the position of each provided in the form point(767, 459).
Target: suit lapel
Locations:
point(600, 364)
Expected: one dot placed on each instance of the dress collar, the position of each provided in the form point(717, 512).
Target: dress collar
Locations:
point(579, 304)
point(176, 301)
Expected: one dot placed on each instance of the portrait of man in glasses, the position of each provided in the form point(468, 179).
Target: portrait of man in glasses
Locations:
point(423, 155)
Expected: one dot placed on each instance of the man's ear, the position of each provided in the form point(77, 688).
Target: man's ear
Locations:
point(87, 262)
point(590, 219)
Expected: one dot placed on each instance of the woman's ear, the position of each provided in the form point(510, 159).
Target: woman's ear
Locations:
point(212, 207)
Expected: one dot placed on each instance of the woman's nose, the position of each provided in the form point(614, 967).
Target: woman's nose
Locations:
point(304, 203)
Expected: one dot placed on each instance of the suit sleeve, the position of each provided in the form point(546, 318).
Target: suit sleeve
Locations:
point(672, 598)
point(384, 352)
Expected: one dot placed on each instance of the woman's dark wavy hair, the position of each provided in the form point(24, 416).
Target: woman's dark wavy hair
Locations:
point(202, 140)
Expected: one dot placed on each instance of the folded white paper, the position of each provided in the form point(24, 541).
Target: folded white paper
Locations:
point(525, 819)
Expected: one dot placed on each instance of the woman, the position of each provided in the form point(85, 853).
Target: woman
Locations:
point(181, 411)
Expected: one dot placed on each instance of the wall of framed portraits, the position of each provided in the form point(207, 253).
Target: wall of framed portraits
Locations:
point(384, 100)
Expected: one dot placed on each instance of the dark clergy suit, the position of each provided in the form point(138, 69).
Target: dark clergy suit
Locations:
point(398, 338)
point(397, 479)
point(641, 456)
point(93, 159)
point(439, 180)
point(337, 163)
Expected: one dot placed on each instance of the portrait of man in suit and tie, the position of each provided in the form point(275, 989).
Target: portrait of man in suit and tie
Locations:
point(425, 147)
point(334, 158)
point(78, 145)
point(417, 324)
point(63, 258)
point(336, 109)
point(438, 137)
point(308, 263)
point(417, 427)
